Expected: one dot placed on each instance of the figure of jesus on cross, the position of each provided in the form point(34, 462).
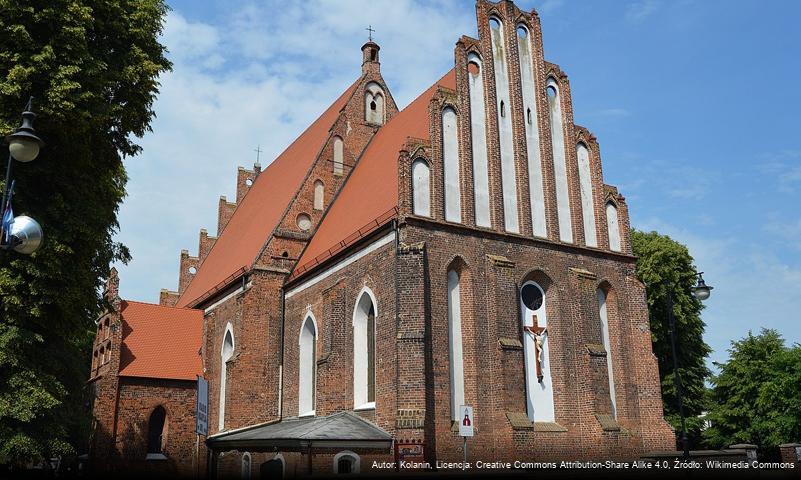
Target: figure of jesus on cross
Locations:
point(539, 338)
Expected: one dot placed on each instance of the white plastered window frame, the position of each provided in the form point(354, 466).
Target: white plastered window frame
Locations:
point(310, 375)
point(360, 354)
point(612, 213)
point(455, 344)
point(421, 187)
point(373, 92)
point(347, 453)
point(225, 356)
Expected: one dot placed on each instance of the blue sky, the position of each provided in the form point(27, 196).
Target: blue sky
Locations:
point(696, 106)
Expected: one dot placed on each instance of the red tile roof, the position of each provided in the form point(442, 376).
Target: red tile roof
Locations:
point(160, 342)
point(369, 198)
point(262, 207)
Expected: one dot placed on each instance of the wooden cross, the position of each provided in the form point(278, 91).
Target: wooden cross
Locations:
point(538, 333)
point(370, 29)
point(258, 152)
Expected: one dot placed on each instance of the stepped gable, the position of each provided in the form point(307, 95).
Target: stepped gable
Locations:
point(262, 207)
point(160, 342)
point(369, 198)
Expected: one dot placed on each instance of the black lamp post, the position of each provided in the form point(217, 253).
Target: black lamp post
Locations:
point(22, 234)
point(700, 291)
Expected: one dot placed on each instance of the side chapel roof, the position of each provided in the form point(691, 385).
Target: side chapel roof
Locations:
point(160, 341)
point(263, 207)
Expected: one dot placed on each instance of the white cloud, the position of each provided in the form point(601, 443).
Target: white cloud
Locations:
point(638, 11)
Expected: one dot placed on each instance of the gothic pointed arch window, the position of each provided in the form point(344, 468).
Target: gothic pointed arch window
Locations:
point(156, 433)
point(307, 366)
point(450, 158)
point(456, 353)
point(421, 188)
point(226, 353)
point(613, 225)
point(346, 462)
point(339, 156)
point(559, 162)
point(364, 351)
point(606, 310)
point(319, 195)
point(539, 389)
point(245, 470)
point(587, 203)
point(374, 104)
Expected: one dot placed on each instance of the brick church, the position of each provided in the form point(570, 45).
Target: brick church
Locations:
point(389, 267)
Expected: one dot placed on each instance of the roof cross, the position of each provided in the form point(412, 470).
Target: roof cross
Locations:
point(370, 29)
point(258, 151)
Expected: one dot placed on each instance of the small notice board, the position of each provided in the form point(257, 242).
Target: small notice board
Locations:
point(466, 421)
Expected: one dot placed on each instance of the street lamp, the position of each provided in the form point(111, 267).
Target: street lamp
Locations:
point(701, 291)
point(22, 234)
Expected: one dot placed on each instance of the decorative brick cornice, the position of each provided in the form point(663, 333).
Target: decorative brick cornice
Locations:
point(289, 234)
point(583, 273)
point(608, 422)
point(584, 135)
point(411, 336)
point(554, 70)
point(469, 44)
point(507, 343)
point(500, 261)
point(410, 418)
point(611, 193)
point(596, 349)
point(548, 427)
point(519, 421)
point(412, 248)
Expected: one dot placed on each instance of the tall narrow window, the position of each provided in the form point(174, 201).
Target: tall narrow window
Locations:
point(534, 163)
point(455, 343)
point(319, 195)
point(156, 430)
point(478, 130)
point(226, 353)
point(450, 154)
point(613, 226)
point(587, 204)
point(339, 154)
point(560, 163)
point(364, 351)
point(245, 473)
point(539, 389)
point(505, 133)
point(307, 367)
point(421, 188)
point(604, 313)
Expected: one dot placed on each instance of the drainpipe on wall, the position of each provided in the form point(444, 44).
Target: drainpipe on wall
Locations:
point(281, 363)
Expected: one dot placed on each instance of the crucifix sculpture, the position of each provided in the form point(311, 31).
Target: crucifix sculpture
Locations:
point(539, 338)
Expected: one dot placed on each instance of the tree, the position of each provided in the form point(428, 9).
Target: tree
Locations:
point(756, 397)
point(92, 67)
point(666, 265)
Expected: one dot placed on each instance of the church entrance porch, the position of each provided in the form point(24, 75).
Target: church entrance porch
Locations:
point(301, 446)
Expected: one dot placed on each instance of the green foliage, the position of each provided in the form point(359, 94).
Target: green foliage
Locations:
point(92, 66)
point(665, 265)
point(756, 397)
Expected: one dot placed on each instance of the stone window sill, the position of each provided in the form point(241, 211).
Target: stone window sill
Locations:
point(365, 406)
point(156, 456)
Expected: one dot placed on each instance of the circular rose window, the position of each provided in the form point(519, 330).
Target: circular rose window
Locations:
point(532, 297)
point(304, 222)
